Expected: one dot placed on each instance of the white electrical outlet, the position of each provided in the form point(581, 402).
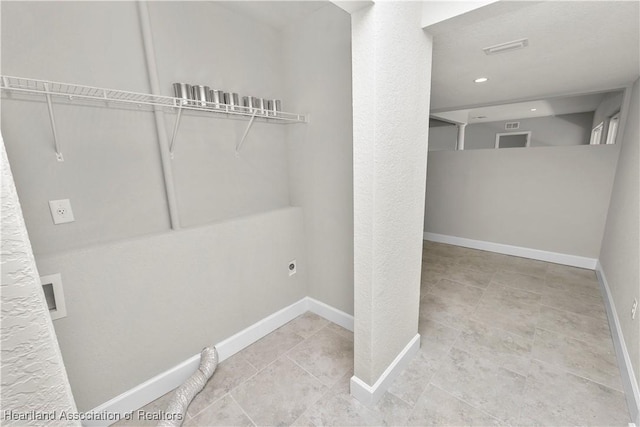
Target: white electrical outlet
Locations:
point(61, 211)
point(292, 267)
point(634, 308)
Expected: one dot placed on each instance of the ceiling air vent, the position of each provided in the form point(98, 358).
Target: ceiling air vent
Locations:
point(512, 125)
point(505, 47)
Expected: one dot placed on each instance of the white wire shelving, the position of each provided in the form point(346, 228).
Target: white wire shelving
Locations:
point(113, 97)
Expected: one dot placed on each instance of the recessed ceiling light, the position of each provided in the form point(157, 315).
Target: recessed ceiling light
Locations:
point(481, 80)
point(533, 109)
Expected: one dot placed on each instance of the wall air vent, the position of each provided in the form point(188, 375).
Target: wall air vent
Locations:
point(505, 47)
point(512, 125)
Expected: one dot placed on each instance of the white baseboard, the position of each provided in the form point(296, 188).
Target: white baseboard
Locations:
point(253, 333)
point(519, 251)
point(333, 314)
point(164, 382)
point(370, 395)
point(624, 360)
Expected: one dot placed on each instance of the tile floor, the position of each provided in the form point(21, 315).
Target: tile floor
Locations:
point(505, 341)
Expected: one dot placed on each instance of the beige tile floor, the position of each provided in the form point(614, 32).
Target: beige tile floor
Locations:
point(505, 341)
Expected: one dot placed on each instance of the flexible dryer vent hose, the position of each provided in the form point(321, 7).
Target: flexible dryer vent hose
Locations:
point(184, 394)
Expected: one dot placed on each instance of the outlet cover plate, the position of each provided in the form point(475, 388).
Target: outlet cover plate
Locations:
point(61, 211)
point(292, 267)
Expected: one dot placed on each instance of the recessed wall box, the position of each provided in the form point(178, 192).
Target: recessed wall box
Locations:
point(54, 295)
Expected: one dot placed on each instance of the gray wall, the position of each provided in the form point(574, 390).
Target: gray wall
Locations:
point(317, 52)
point(547, 198)
point(141, 298)
point(610, 105)
point(443, 138)
point(139, 307)
point(112, 172)
point(619, 256)
point(212, 183)
point(562, 130)
point(33, 375)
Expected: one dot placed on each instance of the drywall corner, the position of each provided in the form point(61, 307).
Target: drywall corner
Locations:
point(619, 253)
point(629, 382)
point(320, 153)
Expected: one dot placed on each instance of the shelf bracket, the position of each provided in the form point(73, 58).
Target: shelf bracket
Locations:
point(175, 131)
point(246, 131)
point(53, 124)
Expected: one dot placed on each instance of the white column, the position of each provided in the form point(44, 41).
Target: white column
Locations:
point(391, 89)
point(460, 141)
point(34, 376)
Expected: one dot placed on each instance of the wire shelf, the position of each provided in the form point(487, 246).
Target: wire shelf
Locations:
point(94, 94)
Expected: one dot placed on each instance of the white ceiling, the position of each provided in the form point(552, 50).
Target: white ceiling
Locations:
point(522, 110)
point(574, 47)
point(277, 14)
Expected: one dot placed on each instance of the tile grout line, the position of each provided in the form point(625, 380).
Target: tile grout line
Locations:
point(563, 335)
point(408, 403)
point(228, 391)
point(451, 299)
point(534, 339)
point(312, 375)
point(465, 284)
point(329, 388)
point(573, 312)
point(439, 362)
point(490, 361)
point(567, 371)
point(467, 403)
point(257, 371)
point(527, 381)
point(242, 409)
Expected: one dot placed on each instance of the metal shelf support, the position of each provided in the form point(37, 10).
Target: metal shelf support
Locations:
point(246, 132)
point(176, 125)
point(158, 103)
point(59, 156)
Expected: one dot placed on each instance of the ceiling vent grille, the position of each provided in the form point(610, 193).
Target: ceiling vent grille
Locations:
point(512, 125)
point(506, 47)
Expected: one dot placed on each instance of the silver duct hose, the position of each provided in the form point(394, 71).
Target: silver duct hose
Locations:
point(184, 394)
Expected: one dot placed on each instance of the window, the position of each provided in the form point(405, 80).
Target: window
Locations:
point(596, 134)
point(513, 139)
point(613, 128)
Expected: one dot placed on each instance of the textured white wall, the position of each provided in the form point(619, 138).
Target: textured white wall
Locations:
point(317, 52)
point(619, 255)
point(547, 198)
point(391, 87)
point(33, 374)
